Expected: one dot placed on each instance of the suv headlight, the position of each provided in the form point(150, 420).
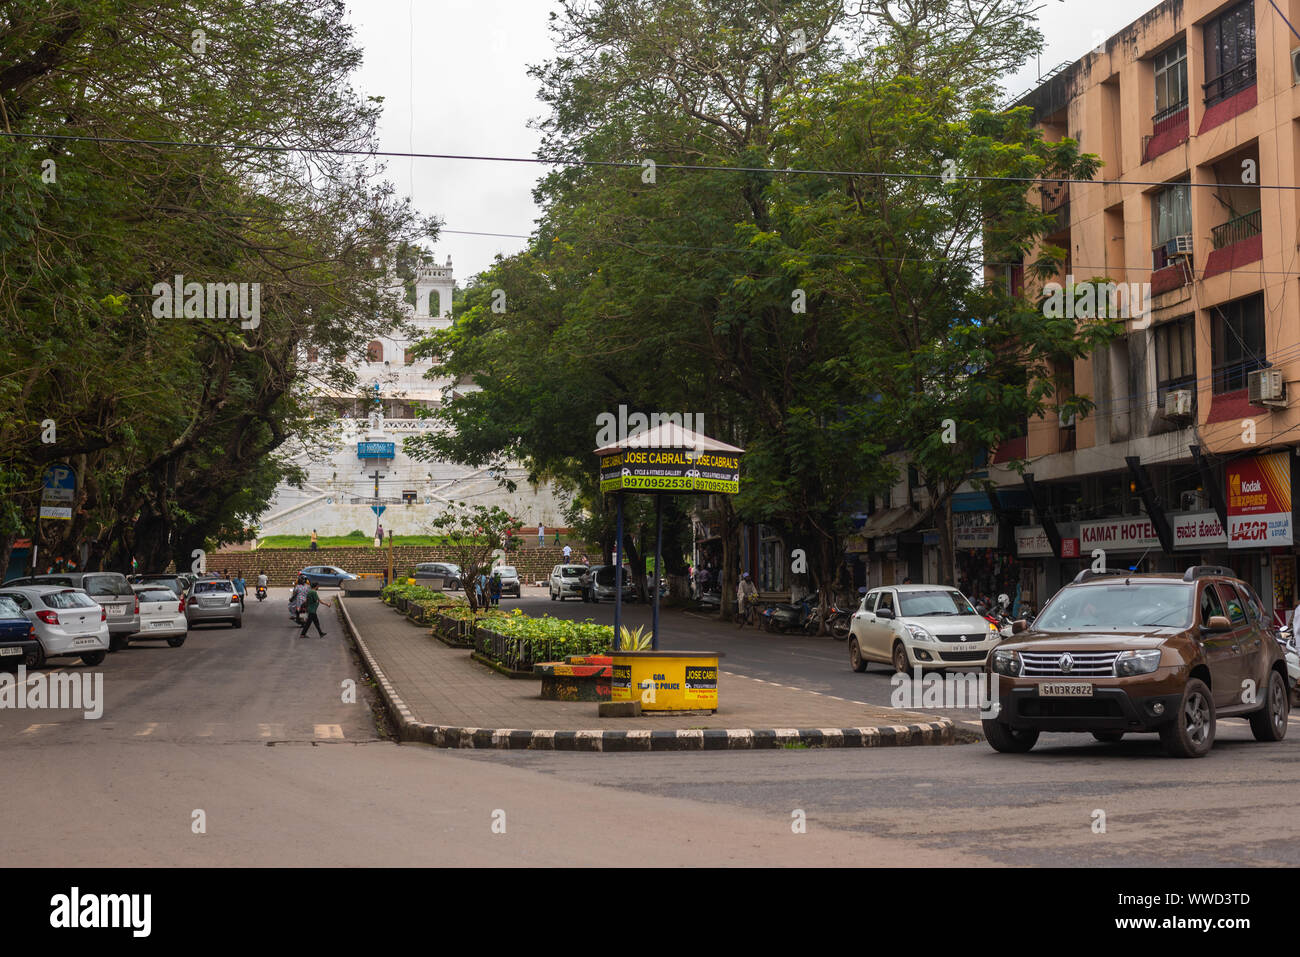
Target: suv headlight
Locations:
point(919, 633)
point(1006, 662)
point(1137, 662)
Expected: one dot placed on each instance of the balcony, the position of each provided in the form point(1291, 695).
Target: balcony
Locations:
point(1236, 230)
point(1169, 128)
point(1170, 269)
point(1056, 199)
point(1237, 242)
point(1229, 95)
point(1229, 83)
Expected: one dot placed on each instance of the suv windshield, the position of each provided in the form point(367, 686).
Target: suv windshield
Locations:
point(571, 571)
point(920, 604)
point(506, 571)
point(1119, 606)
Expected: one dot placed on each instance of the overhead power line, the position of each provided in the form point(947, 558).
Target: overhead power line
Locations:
point(624, 164)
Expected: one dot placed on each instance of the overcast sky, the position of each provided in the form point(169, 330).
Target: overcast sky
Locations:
point(459, 68)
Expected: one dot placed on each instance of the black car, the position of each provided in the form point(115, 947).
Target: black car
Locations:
point(18, 644)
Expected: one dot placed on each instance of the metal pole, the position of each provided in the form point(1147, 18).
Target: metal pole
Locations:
point(618, 571)
point(659, 541)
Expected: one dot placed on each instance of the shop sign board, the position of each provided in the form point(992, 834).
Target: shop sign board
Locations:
point(1032, 541)
point(1259, 501)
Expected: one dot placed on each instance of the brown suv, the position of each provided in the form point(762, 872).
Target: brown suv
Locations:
point(1118, 652)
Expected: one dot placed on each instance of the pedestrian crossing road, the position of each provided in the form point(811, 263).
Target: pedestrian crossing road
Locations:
point(260, 683)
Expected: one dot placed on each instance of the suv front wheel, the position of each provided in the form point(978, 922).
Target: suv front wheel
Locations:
point(1191, 733)
point(1008, 740)
point(1269, 722)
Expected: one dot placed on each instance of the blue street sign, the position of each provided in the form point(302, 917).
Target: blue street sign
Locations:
point(378, 509)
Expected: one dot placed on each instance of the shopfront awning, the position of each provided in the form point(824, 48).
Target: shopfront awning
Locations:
point(890, 521)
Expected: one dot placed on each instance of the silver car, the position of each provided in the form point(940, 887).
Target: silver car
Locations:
point(162, 614)
point(109, 589)
point(214, 600)
point(68, 622)
point(509, 576)
point(566, 581)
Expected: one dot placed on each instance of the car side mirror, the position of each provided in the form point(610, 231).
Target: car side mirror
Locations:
point(1018, 626)
point(885, 613)
point(1218, 623)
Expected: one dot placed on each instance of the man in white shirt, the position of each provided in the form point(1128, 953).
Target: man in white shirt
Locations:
point(567, 552)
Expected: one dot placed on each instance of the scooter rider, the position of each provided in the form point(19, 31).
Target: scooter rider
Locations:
point(261, 585)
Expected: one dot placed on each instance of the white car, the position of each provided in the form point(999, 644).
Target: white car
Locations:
point(919, 626)
point(162, 615)
point(69, 623)
point(566, 581)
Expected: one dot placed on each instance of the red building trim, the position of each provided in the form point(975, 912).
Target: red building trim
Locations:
point(1171, 277)
point(1172, 132)
point(1225, 110)
point(1249, 250)
point(1231, 405)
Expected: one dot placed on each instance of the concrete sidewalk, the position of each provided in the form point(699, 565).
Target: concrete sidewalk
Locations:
point(441, 696)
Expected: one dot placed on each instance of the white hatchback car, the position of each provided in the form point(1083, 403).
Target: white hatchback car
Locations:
point(162, 615)
point(69, 623)
point(919, 626)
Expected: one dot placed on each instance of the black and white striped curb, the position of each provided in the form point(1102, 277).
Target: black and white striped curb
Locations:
point(938, 731)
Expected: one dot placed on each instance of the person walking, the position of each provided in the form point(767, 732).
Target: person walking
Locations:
point(567, 552)
point(313, 603)
point(297, 599)
point(541, 535)
point(314, 544)
point(240, 588)
point(557, 536)
point(496, 589)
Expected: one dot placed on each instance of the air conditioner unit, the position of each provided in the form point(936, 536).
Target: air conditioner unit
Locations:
point(1065, 421)
point(1178, 403)
point(1295, 66)
point(1264, 387)
point(1179, 246)
point(1194, 501)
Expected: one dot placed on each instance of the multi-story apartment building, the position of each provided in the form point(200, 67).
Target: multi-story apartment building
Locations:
point(1189, 456)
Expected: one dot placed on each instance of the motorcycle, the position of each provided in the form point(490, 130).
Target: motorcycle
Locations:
point(261, 593)
point(792, 616)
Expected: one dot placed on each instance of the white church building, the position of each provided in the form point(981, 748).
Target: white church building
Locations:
point(339, 493)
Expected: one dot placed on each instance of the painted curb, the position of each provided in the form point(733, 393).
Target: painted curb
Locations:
point(937, 732)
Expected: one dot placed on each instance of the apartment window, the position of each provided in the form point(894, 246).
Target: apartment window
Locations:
point(1238, 341)
point(375, 351)
point(1175, 357)
point(1171, 80)
point(1230, 52)
point(1171, 218)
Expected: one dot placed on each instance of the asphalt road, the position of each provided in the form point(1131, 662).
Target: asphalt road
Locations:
point(247, 732)
point(801, 661)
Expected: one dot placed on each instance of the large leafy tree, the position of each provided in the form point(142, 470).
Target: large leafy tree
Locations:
point(818, 319)
point(173, 424)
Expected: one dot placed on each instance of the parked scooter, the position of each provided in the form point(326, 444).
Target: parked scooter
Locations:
point(791, 616)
